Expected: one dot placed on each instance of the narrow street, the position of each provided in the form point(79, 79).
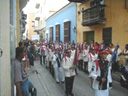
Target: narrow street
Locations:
point(46, 85)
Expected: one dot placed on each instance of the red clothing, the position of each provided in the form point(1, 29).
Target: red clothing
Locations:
point(97, 48)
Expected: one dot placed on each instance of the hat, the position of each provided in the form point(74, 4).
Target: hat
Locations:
point(104, 51)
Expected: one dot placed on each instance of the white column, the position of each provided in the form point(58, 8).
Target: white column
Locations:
point(5, 72)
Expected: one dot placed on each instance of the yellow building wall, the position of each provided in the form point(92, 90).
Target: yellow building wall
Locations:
point(30, 28)
point(17, 21)
point(116, 17)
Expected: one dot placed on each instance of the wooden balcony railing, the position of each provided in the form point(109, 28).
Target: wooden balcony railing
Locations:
point(94, 15)
point(77, 1)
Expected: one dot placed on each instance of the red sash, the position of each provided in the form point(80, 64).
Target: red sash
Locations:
point(97, 65)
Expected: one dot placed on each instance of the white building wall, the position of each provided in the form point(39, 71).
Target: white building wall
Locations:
point(5, 72)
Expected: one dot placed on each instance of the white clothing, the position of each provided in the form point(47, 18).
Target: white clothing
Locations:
point(73, 52)
point(55, 56)
point(109, 58)
point(80, 56)
point(95, 85)
point(125, 52)
point(67, 63)
point(59, 72)
point(92, 58)
point(85, 55)
point(50, 55)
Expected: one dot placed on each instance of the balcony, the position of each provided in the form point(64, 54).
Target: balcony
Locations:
point(94, 15)
point(78, 1)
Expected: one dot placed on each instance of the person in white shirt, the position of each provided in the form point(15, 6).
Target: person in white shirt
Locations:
point(92, 57)
point(69, 68)
point(80, 64)
point(101, 75)
point(85, 59)
point(58, 70)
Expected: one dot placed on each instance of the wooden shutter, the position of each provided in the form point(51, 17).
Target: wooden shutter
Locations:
point(58, 32)
point(67, 31)
point(51, 33)
point(107, 35)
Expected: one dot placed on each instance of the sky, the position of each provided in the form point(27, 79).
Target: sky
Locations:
point(30, 7)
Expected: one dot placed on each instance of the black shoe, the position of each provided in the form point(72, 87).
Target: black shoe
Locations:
point(62, 81)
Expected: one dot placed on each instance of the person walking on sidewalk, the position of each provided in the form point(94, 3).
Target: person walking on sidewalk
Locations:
point(44, 53)
point(50, 57)
point(101, 75)
point(40, 53)
point(23, 85)
point(69, 68)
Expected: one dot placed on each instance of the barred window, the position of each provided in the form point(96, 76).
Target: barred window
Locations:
point(51, 33)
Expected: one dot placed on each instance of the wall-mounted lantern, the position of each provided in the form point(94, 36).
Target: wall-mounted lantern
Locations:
point(1, 52)
point(74, 29)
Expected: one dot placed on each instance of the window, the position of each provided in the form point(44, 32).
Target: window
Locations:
point(51, 33)
point(107, 35)
point(67, 31)
point(58, 32)
point(89, 36)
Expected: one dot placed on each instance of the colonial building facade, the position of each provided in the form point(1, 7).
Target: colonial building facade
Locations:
point(61, 26)
point(102, 20)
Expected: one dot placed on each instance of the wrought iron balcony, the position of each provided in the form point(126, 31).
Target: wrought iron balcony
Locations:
point(78, 1)
point(94, 15)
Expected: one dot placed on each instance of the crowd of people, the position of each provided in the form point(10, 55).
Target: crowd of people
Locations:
point(64, 59)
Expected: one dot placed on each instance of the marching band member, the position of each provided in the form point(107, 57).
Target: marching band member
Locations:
point(80, 65)
point(92, 57)
point(57, 66)
point(69, 68)
point(101, 75)
point(85, 58)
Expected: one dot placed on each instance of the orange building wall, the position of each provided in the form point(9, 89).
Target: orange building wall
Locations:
point(30, 28)
point(117, 18)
